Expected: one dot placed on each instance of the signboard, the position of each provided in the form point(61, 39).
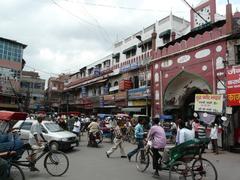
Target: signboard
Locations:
point(208, 103)
point(121, 96)
point(233, 86)
point(139, 93)
point(137, 103)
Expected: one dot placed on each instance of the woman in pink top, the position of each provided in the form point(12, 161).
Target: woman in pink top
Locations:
point(158, 138)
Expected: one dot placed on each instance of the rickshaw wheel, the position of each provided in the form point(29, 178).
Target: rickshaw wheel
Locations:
point(203, 169)
point(180, 170)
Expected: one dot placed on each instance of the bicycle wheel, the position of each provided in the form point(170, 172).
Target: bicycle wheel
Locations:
point(203, 169)
point(56, 163)
point(180, 171)
point(16, 172)
point(142, 160)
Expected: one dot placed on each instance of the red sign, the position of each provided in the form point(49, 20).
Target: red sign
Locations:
point(233, 86)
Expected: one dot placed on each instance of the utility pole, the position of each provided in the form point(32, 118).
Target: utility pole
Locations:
point(17, 97)
point(139, 37)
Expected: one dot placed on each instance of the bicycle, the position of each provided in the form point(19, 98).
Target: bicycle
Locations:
point(55, 162)
point(178, 166)
point(14, 171)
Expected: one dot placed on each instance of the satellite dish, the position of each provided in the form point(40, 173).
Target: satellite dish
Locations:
point(223, 118)
point(205, 115)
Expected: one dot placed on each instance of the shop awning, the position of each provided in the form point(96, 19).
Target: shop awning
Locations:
point(165, 33)
point(131, 109)
point(116, 55)
point(129, 49)
point(145, 42)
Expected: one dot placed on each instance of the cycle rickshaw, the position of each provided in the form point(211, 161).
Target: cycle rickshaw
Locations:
point(55, 162)
point(185, 161)
point(7, 119)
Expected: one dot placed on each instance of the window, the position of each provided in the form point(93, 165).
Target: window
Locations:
point(26, 125)
point(166, 39)
point(117, 59)
point(10, 73)
point(37, 85)
point(115, 83)
point(10, 51)
point(237, 54)
point(131, 53)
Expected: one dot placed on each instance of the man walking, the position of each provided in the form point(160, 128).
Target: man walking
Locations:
point(118, 142)
point(139, 138)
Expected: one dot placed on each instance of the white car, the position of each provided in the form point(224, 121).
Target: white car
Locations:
point(57, 137)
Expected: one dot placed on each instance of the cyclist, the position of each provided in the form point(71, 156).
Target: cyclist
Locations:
point(34, 141)
point(94, 130)
point(158, 138)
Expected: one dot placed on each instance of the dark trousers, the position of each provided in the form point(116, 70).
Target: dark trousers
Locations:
point(3, 169)
point(139, 146)
point(156, 157)
point(215, 145)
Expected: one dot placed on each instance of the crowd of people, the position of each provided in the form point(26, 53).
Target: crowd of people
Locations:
point(119, 128)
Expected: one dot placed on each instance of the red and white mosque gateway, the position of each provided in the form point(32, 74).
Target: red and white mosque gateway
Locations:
point(193, 63)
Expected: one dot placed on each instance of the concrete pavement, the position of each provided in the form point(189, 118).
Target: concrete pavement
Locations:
point(92, 164)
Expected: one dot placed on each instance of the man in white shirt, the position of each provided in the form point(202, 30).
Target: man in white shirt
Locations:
point(214, 137)
point(185, 134)
point(77, 128)
point(34, 141)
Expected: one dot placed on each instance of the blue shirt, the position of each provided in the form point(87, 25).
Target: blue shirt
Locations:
point(139, 131)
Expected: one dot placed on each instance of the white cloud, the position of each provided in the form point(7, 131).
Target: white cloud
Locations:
point(63, 39)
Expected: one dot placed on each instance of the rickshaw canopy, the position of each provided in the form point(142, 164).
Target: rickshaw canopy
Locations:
point(11, 115)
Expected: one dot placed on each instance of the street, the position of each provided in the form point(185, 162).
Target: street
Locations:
point(91, 163)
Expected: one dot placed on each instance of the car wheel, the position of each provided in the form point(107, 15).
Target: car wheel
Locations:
point(54, 146)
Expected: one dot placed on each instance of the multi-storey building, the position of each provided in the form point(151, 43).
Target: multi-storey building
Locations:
point(54, 93)
point(11, 65)
point(121, 81)
point(32, 91)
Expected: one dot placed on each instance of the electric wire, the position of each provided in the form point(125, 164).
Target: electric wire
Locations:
point(185, 1)
point(80, 19)
point(121, 7)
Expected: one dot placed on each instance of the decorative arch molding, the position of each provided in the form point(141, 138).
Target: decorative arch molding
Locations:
point(181, 87)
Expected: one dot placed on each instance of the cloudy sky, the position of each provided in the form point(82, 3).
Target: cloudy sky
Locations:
point(65, 35)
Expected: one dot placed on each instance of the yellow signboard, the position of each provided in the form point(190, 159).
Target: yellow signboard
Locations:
point(209, 103)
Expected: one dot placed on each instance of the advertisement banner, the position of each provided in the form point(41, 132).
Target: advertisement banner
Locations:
point(121, 96)
point(233, 86)
point(139, 93)
point(208, 103)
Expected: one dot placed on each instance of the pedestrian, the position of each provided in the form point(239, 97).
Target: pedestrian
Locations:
point(139, 138)
point(201, 131)
point(214, 137)
point(77, 127)
point(118, 142)
point(195, 125)
point(185, 134)
point(158, 138)
point(70, 122)
point(62, 123)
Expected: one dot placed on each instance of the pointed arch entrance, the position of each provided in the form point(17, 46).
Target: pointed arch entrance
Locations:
point(179, 95)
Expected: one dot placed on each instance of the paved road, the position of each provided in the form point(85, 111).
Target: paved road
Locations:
point(92, 164)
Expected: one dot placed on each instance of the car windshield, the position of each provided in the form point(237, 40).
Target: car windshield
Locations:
point(53, 127)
